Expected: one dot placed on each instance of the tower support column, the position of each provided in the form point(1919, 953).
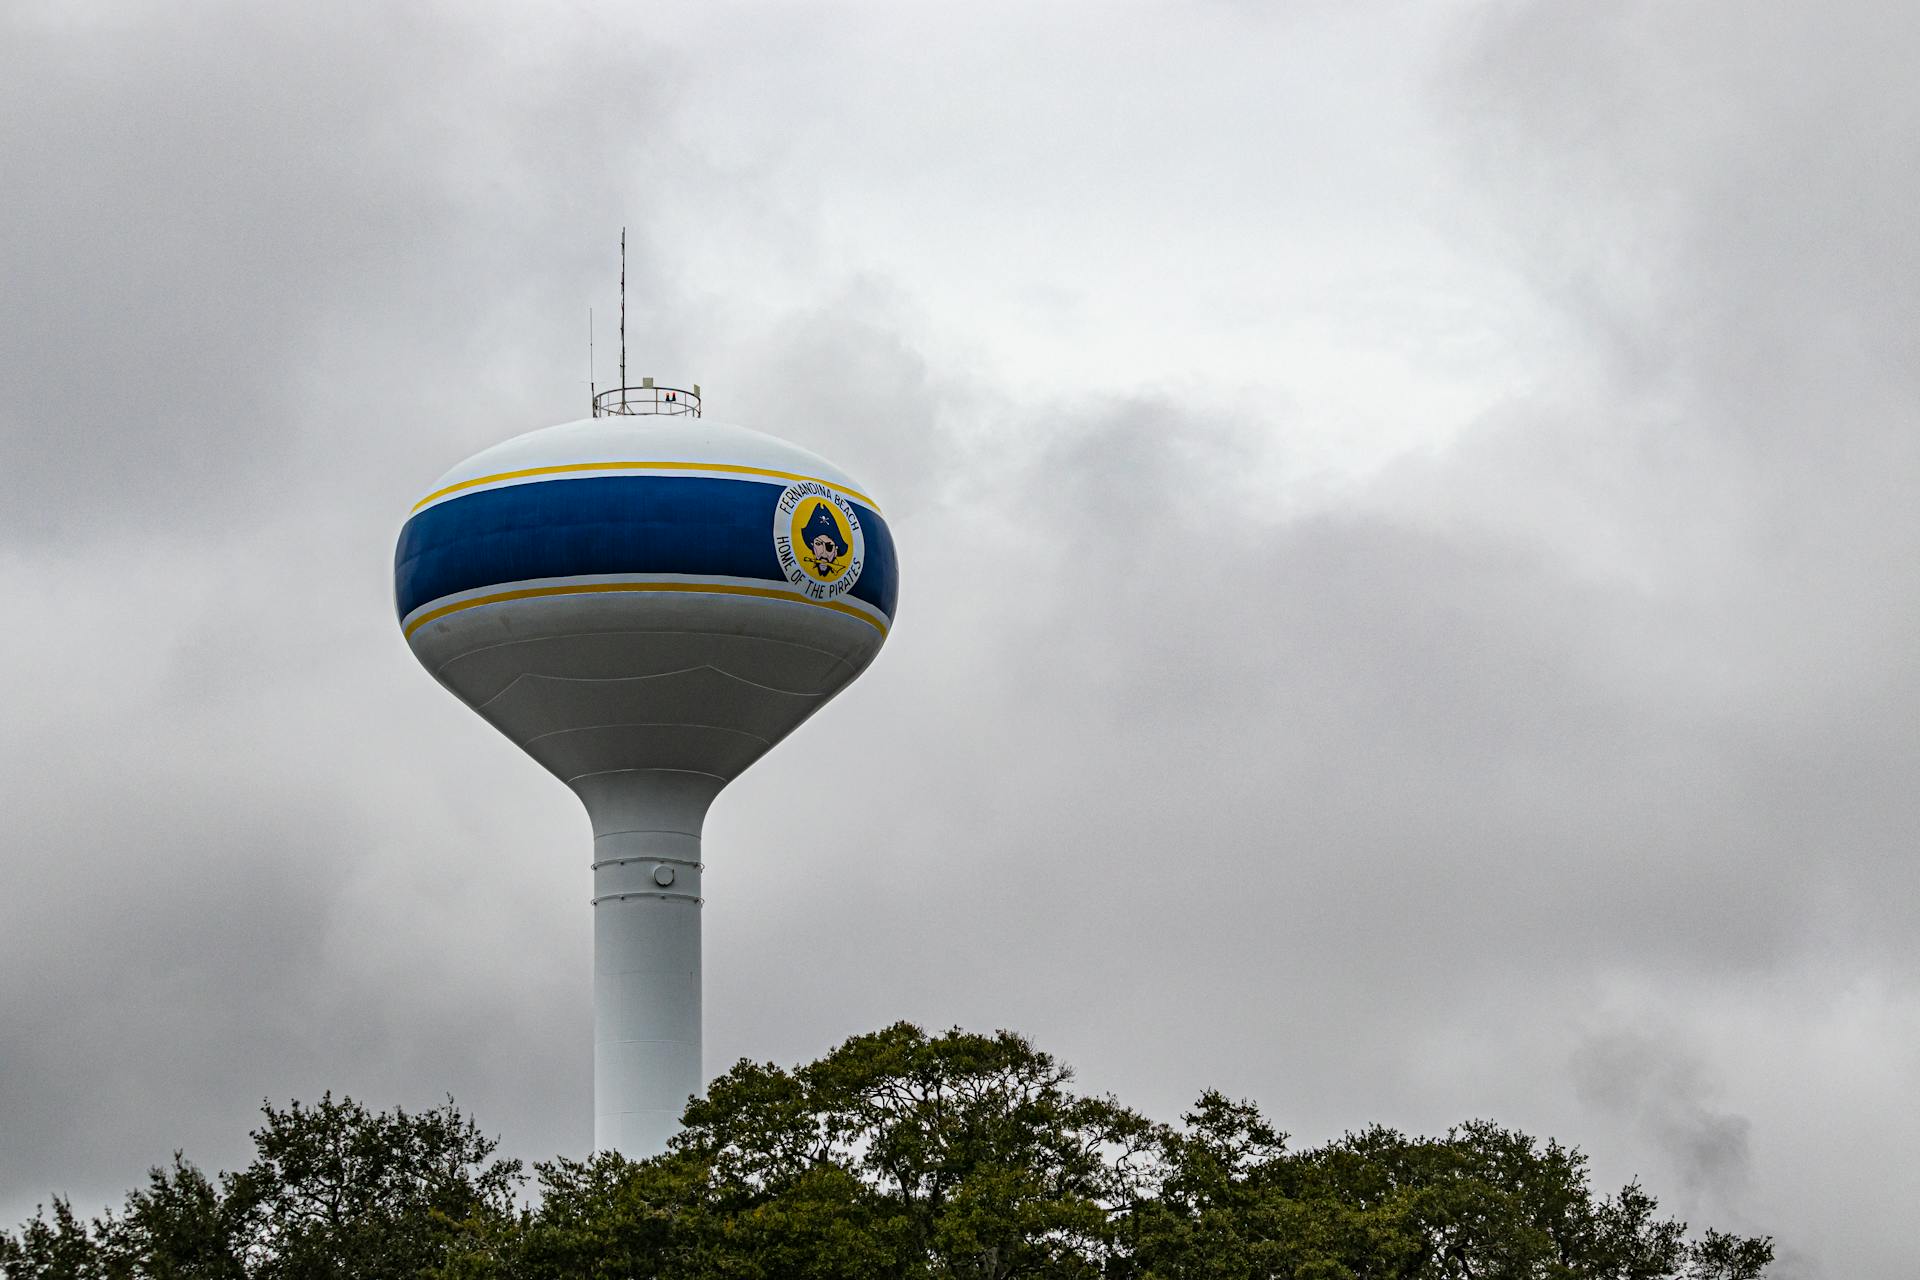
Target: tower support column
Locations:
point(646, 953)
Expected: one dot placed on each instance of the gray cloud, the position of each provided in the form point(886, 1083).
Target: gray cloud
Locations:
point(1646, 1080)
point(228, 221)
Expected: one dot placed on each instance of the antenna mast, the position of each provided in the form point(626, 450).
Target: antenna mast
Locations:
point(623, 316)
point(654, 398)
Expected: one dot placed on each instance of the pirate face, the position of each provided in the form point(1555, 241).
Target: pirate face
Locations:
point(825, 554)
point(823, 538)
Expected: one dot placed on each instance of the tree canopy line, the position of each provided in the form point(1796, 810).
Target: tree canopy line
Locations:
point(897, 1155)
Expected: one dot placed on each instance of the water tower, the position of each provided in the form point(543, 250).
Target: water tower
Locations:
point(645, 602)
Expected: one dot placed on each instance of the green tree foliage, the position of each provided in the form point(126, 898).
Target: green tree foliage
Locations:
point(898, 1155)
point(1481, 1202)
point(334, 1192)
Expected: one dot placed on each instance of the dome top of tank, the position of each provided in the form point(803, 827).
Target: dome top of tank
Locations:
point(616, 443)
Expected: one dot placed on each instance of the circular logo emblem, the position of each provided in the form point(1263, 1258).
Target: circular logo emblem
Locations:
point(817, 537)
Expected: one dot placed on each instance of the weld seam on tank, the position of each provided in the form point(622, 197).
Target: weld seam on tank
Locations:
point(645, 724)
point(607, 773)
point(647, 857)
point(676, 897)
point(636, 679)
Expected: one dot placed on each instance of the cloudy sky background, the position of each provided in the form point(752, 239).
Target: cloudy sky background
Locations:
point(1408, 542)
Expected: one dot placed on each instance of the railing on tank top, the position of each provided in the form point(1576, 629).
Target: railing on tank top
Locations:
point(647, 398)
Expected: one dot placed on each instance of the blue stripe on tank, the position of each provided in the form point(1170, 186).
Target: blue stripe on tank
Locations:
point(611, 525)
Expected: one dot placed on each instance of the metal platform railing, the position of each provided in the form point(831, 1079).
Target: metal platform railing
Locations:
point(647, 398)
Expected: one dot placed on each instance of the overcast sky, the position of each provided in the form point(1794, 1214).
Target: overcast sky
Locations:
point(1407, 527)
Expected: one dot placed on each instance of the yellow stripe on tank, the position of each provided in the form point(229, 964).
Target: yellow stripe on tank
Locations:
point(574, 467)
point(593, 588)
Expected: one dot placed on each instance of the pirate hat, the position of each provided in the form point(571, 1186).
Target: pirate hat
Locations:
point(821, 522)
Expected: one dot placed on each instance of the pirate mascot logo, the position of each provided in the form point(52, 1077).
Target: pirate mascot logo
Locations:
point(818, 539)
